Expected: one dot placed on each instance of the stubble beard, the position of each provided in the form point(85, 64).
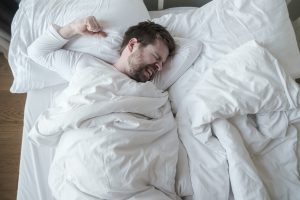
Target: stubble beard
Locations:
point(137, 69)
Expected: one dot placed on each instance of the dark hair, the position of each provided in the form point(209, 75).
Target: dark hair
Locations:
point(146, 33)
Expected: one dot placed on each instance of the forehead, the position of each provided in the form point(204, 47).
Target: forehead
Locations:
point(160, 48)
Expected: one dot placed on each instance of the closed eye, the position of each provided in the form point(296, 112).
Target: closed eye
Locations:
point(157, 57)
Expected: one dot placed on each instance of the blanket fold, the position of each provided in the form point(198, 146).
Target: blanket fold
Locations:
point(236, 126)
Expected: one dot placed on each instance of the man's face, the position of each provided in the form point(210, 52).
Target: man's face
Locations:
point(145, 62)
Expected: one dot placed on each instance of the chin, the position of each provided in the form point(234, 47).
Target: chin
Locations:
point(142, 78)
point(143, 81)
point(139, 79)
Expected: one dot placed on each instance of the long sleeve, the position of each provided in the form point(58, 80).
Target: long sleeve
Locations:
point(47, 51)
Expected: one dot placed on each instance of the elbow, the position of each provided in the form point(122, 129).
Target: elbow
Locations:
point(36, 54)
point(32, 53)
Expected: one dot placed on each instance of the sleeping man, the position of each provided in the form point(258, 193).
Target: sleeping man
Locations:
point(144, 49)
point(113, 131)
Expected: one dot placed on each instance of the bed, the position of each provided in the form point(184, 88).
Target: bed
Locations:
point(231, 90)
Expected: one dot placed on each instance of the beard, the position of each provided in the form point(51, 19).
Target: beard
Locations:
point(139, 73)
point(138, 69)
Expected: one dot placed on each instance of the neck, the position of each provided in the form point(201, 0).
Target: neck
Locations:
point(120, 64)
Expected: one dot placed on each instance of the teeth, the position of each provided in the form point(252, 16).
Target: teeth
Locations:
point(149, 72)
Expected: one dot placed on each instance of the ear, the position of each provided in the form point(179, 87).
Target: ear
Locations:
point(132, 42)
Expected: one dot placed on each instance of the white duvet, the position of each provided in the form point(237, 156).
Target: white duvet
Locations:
point(236, 125)
point(116, 138)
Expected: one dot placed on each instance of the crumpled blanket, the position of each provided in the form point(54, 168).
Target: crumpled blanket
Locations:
point(115, 138)
point(236, 125)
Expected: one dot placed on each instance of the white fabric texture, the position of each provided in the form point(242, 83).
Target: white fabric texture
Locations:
point(262, 161)
point(175, 10)
point(224, 25)
point(187, 51)
point(95, 116)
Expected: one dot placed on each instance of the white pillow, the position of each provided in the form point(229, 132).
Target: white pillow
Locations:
point(186, 52)
point(174, 10)
point(223, 25)
point(34, 17)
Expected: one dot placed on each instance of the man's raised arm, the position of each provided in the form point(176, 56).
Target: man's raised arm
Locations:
point(47, 49)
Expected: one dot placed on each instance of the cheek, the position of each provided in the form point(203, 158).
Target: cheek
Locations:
point(135, 58)
point(144, 57)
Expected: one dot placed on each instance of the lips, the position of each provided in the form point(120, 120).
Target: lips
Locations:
point(149, 71)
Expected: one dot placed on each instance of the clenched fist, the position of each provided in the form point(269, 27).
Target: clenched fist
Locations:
point(86, 26)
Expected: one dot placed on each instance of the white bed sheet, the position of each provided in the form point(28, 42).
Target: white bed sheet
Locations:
point(35, 161)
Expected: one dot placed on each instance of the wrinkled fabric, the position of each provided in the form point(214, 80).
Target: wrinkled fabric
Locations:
point(115, 138)
point(236, 125)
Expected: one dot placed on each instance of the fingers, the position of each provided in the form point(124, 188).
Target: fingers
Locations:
point(97, 34)
point(93, 27)
point(102, 34)
point(92, 24)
